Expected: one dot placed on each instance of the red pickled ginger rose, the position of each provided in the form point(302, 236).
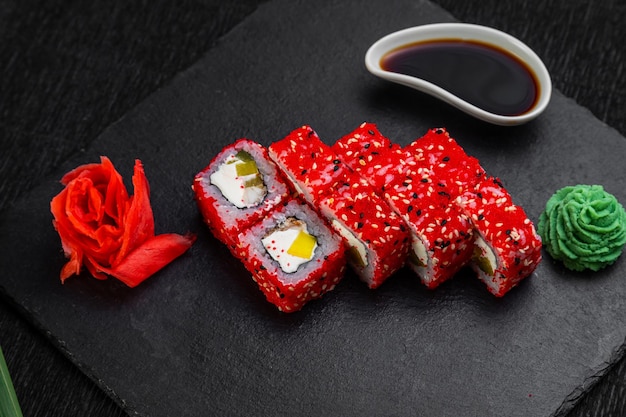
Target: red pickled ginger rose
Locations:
point(108, 231)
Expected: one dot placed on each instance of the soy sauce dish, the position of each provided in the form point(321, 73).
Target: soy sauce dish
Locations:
point(480, 70)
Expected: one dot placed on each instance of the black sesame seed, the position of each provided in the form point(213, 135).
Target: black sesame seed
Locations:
point(409, 209)
point(371, 132)
point(443, 222)
point(367, 145)
point(336, 168)
point(359, 225)
point(414, 195)
point(439, 131)
point(303, 172)
point(424, 180)
point(446, 159)
point(481, 217)
point(336, 161)
point(418, 212)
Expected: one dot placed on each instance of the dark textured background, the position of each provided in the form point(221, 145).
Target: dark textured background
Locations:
point(69, 69)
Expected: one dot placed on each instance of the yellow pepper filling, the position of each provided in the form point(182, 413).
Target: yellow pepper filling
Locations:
point(303, 245)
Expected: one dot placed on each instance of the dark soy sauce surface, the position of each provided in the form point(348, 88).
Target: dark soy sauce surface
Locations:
point(481, 74)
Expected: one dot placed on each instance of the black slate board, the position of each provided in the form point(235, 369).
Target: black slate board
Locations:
point(199, 337)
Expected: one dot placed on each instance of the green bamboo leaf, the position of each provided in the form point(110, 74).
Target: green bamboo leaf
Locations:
point(9, 407)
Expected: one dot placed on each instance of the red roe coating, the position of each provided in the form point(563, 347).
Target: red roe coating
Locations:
point(223, 218)
point(311, 166)
point(442, 241)
point(507, 230)
point(371, 154)
point(450, 167)
point(359, 210)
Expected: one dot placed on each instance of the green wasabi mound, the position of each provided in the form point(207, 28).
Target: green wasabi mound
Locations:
point(584, 227)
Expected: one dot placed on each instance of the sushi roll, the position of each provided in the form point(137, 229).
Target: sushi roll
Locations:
point(310, 165)
point(238, 188)
point(371, 154)
point(507, 248)
point(441, 234)
point(292, 255)
point(441, 240)
point(376, 239)
point(454, 170)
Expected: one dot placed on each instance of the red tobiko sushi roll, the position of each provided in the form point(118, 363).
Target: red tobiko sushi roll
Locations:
point(371, 154)
point(292, 255)
point(507, 248)
point(376, 238)
point(449, 164)
point(308, 163)
point(441, 240)
point(238, 187)
point(441, 234)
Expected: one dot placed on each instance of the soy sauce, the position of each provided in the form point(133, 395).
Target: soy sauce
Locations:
point(481, 74)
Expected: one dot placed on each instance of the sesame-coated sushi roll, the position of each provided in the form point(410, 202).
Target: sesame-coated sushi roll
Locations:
point(308, 163)
point(292, 255)
point(238, 187)
point(441, 242)
point(507, 247)
point(454, 170)
point(376, 238)
point(371, 154)
point(441, 233)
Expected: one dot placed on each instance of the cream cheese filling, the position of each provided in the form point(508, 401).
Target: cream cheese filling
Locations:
point(236, 188)
point(278, 242)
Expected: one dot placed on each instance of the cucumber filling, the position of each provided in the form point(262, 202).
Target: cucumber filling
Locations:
point(484, 257)
point(240, 181)
point(356, 250)
point(418, 255)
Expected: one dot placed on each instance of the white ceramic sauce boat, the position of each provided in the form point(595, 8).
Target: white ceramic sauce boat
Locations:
point(469, 32)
